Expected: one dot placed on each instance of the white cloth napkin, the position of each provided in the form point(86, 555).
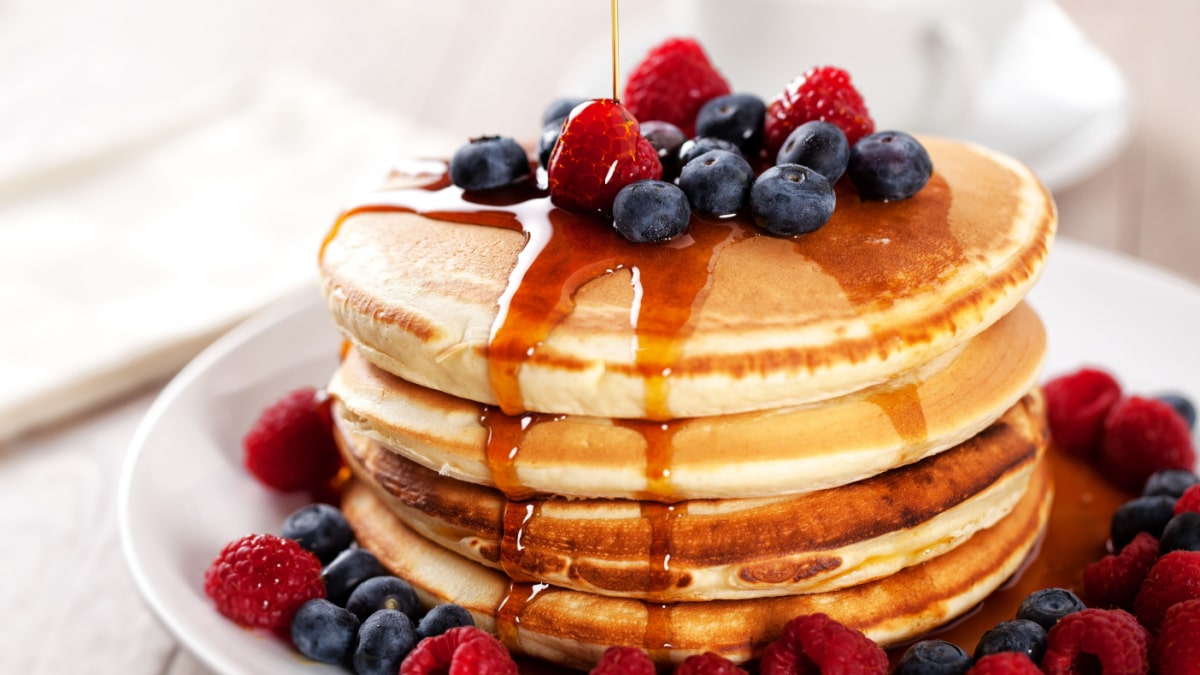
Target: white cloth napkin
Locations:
point(119, 264)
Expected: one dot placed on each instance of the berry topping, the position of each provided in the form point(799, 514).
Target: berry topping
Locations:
point(1171, 482)
point(324, 632)
point(667, 140)
point(671, 84)
point(889, 166)
point(1182, 533)
point(1188, 501)
point(823, 93)
point(933, 657)
point(349, 569)
point(384, 639)
point(1113, 581)
point(600, 151)
point(1142, 436)
point(717, 183)
point(1018, 635)
point(1076, 405)
point(790, 199)
point(1144, 514)
point(547, 140)
point(817, 643)
point(737, 118)
point(1108, 641)
point(708, 663)
point(1177, 647)
point(320, 528)
point(559, 108)
point(291, 446)
point(1182, 405)
point(1174, 578)
point(387, 592)
point(261, 580)
point(623, 661)
point(1005, 663)
point(820, 146)
point(651, 210)
point(1046, 606)
point(442, 618)
point(459, 651)
point(694, 147)
point(488, 162)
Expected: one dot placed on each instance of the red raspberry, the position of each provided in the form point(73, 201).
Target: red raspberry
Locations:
point(1076, 405)
point(1141, 436)
point(1174, 578)
point(291, 446)
point(823, 93)
point(708, 663)
point(1113, 581)
point(1188, 501)
point(672, 83)
point(599, 151)
point(1177, 647)
point(465, 650)
point(623, 661)
point(1005, 663)
point(260, 580)
point(1110, 641)
point(815, 643)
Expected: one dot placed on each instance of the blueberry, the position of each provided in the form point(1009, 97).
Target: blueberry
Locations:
point(1182, 533)
point(820, 146)
point(386, 592)
point(384, 639)
point(737, 118)
point(349, 569)
point(889, 165)
point(324, 632)
point(319, 528)
point(1182, 405)
point(559, 108)
point(1170, 482)
point(651, 210)
point(934, 657)
point(547, 141)
point(1018, 635)
point(441, 619)
point(1144, 514)
point(790, 199)
point(488, 162)
point(1046, 606)
point(667, 139)
point(717, 183)
point(694, 147)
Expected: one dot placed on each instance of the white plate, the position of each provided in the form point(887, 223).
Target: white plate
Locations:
point(184, 494)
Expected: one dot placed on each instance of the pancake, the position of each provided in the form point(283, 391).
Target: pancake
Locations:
point(716, 549)
point(770, 452)
point(501, 298)
point(573, 627)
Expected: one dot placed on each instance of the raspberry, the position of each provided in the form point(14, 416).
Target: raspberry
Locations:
point(708, 663)
point(1108, 641)
point(823, 93)
point(1004, 663)
point(1177, 648)
point(1076, 405)
point(1174, 578)
point(817, 643)
point(623, 661)
point(1142, 436)
point(672, 83)
point(465, 650)
point(1113, 581)
point(291, 446)
point(599, 151)
point(260, 580)
point(1189, 501)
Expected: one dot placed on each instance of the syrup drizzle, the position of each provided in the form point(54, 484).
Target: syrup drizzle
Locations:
point(902, 405)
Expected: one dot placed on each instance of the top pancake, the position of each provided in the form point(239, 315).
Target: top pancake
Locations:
point(504, 299)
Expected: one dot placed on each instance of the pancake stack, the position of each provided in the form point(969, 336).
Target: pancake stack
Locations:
point(680, 447)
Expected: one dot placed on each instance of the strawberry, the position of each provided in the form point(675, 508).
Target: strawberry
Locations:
point(600, 151)
point(823, 93)
point(671, 84)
